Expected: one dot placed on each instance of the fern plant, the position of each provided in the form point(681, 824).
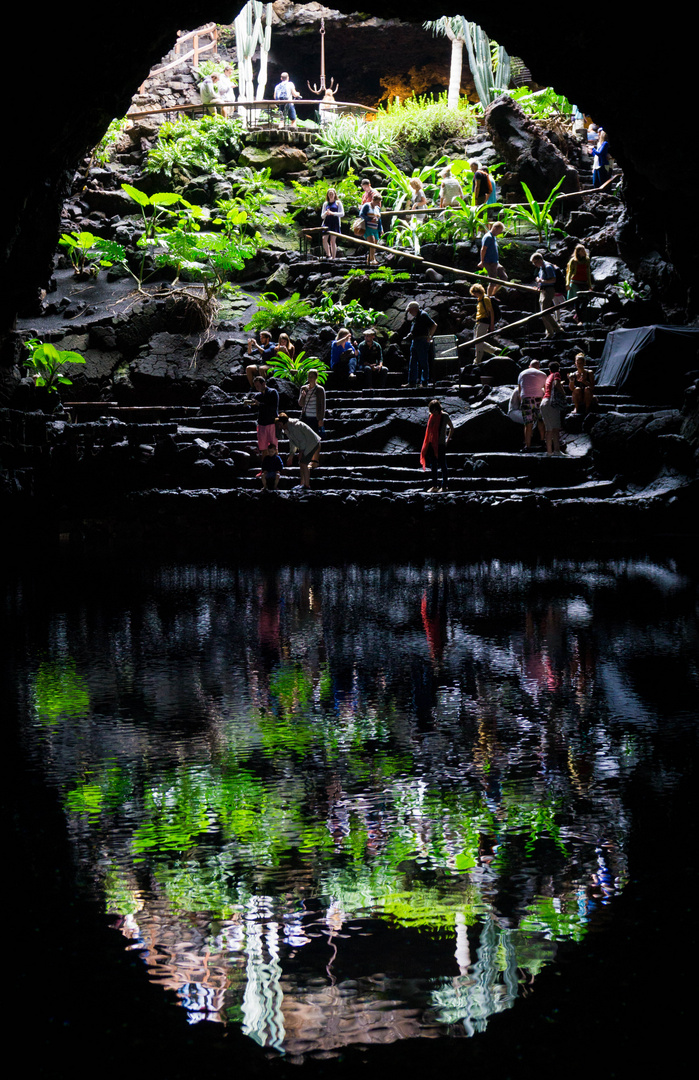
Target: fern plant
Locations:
point(275, 314)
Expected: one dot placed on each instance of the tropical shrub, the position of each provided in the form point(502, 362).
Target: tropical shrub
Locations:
point(349, 143)
point(351, 314)
point(426, 120)
point(210, 258)
point(277, 314)
point(187, 147)
point(312, 196)
point(541, 103)
point(46, 363)
point(88, 252)
point(396, 188)
point(296, 369)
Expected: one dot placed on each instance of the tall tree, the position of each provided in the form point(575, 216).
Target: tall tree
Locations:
point(485, 58)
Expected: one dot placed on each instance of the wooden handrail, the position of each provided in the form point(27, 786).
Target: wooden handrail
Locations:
point(425, 262)
point(234, 104)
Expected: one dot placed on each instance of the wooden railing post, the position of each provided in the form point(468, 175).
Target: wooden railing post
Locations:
point(196, 50)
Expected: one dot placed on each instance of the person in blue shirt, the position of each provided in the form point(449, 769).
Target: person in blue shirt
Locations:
point(267, 350)
point(343, 355)
point(600, 159)
point(490, 257)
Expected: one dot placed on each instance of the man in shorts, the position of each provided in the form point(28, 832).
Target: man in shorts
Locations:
point(531, 382)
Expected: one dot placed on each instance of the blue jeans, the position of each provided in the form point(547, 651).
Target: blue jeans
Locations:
point(419, 366)
point(287, 110)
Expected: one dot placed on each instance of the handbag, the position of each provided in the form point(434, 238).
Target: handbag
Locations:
point(558, 398)
point(359, 226)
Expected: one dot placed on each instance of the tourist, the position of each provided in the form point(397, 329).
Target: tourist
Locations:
point(286, 91)
point(553, 404)
point(370, 360)
point(267, 348)
point(450, 189)
point(546, 284)
point(267, 401)
point(312, 403)
point(286, 346)
point(302, 441)
point(327, 109)
point(371, 212)
point(485, 321)
point(272, 466)
point(490, 257)
point(368, 191)
point(578, 277)
point(482, 185)
point(600, 159)
point(343, 355)
point(331, 217)
point(493, 197)
point(209, 93)
point(420, 336)
point(434, 447)
point(226, 91)
point(581, 382)
point(418, 199)
point(532, 383)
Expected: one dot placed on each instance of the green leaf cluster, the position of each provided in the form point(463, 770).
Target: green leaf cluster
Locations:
point(275, 314)
point(312, 196)
point(350, 143)
point(187, 148)
point(351, 314)
point(47, 364)
point(424, 120)
point(296, 369)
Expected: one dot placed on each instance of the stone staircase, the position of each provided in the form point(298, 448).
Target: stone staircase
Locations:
point(213, 447)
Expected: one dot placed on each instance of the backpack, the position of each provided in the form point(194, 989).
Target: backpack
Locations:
point(560, 280)
point(282, 91)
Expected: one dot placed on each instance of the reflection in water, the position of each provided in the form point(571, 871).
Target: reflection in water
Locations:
point(356, 805)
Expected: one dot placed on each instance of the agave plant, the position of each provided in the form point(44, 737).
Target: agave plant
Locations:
point(296, 368)
point(349, 143)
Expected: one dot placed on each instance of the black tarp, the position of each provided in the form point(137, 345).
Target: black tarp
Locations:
point(648, 361)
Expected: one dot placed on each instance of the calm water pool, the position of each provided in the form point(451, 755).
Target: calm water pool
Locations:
point(341, 806)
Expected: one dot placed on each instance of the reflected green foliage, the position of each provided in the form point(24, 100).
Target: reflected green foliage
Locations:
point(59, 691)
point(97, 795)
point(557, 918)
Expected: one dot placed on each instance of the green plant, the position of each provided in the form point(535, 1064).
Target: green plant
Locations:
point(312, 196)
point(541, 103)
point(484, 58)
point(296, 369)
point(386, 274)
point(210, 258)
point(277, 314)
point(46, 364)
point(216, 67)
point(426, 120)
point(349, 143)
point(186, 147)
point(351, 314)
point(396, 189)
point(103, 151)
point(88, 252)
point(156, 210)
point(536, 214)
